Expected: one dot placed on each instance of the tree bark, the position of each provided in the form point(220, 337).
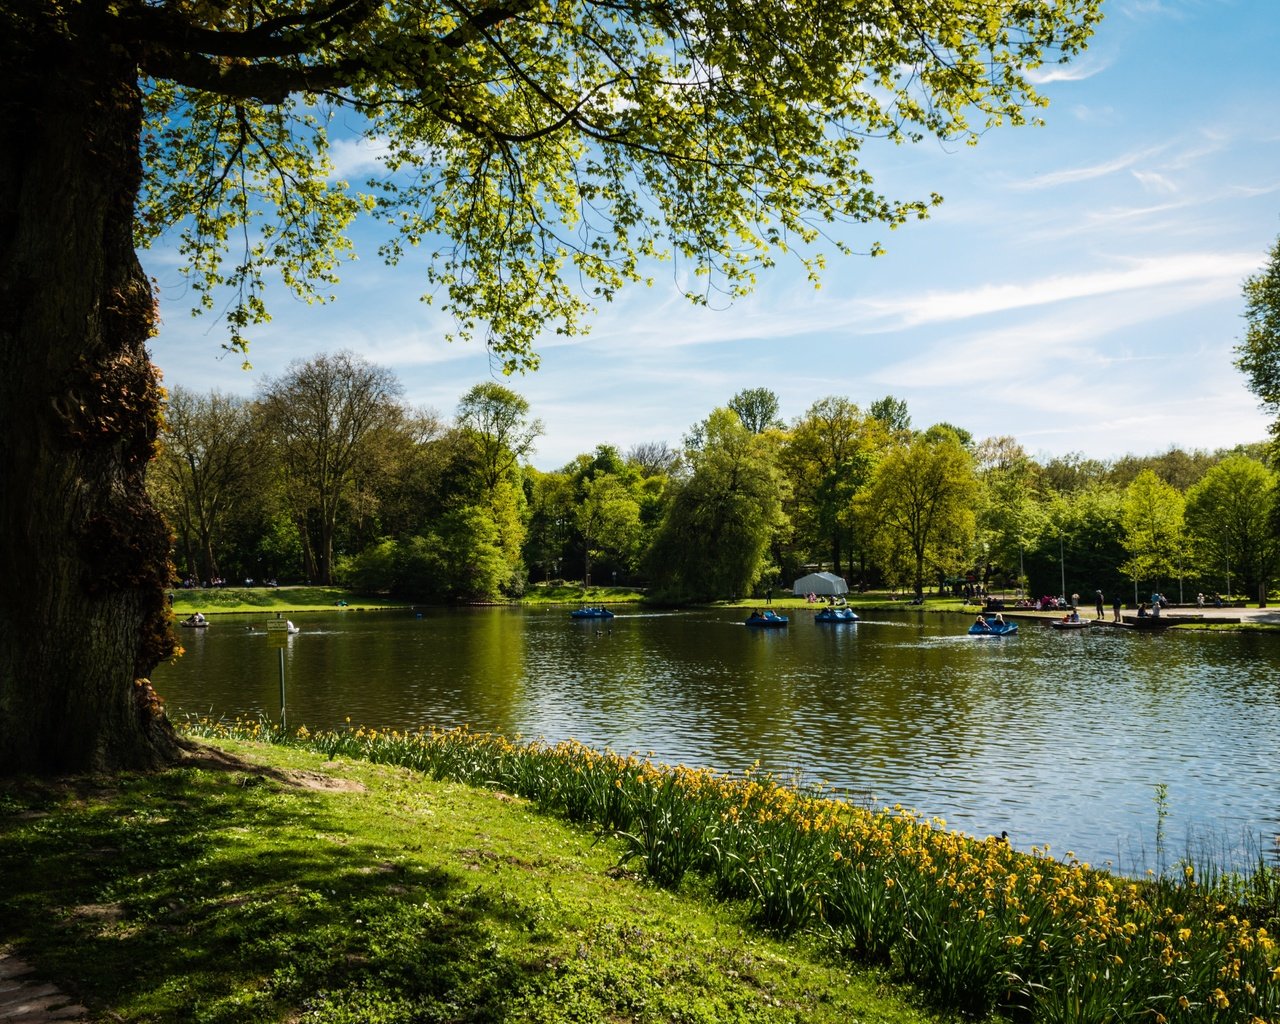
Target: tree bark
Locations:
point(84, 556)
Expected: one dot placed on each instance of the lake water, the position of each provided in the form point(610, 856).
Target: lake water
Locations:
point(1060, 738)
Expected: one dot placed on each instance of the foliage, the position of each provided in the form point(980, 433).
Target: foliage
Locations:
point(1258, 355)
point(923, 492)
point(530, 152)
point(211, 462)
point(713, 539)
point(757, 408)
point(974, 923)
point(828, 455)
point(1152, 518)
point(324, 414)
point(1231, 514)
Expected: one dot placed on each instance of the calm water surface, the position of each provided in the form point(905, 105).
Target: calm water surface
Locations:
point(1060, 738)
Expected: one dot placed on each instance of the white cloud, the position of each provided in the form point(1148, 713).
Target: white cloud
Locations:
point(1088, 172)
point(1153, 182)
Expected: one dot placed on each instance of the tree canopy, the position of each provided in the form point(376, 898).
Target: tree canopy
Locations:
point(539, 156)
point(1258, 355)
point(528, 147)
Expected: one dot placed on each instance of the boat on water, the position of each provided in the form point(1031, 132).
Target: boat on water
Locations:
point(769, 620)
point(836, 615)
point(1070, 623)
point(1150, 622)
point(591, 612)
point(990, 628)
point(196, 621)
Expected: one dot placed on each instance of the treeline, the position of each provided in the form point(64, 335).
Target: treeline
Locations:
point(327, 476)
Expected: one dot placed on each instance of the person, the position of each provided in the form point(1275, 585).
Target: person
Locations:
point(1142, 610)
point(1155, 609)
point(999, 620)
point(981, 622)
point(1116, 605)
point(1099, 605)
point(1199, 600)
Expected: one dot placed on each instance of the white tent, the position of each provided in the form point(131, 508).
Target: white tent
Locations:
point(822, 583)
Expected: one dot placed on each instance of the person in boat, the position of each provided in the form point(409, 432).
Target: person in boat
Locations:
point(1142, 610)
point(998, 622)
point(981, 623)
point(196, 619)
point(755, 616)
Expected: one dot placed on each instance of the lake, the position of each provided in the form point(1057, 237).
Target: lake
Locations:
point(1060, 738)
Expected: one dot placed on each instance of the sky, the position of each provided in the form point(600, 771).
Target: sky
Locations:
point(1079, 289)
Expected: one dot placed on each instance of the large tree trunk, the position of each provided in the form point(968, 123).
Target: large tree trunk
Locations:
point(83, 554)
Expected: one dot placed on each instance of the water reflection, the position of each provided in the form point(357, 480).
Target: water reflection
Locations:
point(1060, 738)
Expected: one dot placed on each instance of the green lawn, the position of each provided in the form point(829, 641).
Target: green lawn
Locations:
point(281, 887)
point(275, 599)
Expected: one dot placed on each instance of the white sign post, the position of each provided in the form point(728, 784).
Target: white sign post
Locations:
point(278, 636)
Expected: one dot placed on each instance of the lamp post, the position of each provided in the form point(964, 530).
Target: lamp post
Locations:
point(1062, 564)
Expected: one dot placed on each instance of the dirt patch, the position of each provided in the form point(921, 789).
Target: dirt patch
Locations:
point(214, 759)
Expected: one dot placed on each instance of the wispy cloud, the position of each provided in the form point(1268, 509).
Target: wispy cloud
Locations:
point(1077, 71)
point(1154, 182)
point(1088, 172)
point(1130, 275)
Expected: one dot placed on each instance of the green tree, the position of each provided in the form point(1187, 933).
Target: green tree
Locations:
point(923, 494)
point(497, 421)
point(892, 412)
point(608, 521)
point(1080, 544)
point(713, 541)
point(1258, 355)
point(1154, 536)
point(757, 408)
point(1231, 519)
point(828, 457)
point(532, 150)
point(1010, 513)
point(323, 416)
point(211, 461)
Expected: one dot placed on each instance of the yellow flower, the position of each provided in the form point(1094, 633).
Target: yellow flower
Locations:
point(1219, 999)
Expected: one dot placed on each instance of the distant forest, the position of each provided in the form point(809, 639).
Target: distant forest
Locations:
point(327, 476)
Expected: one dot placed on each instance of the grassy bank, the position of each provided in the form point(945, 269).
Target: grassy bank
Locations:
point(275, 884)
point(978, 926)
point(216, 600)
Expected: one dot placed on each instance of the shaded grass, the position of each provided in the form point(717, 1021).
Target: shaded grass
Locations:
point(977, 925)
point(276, 599)
point(224, 891)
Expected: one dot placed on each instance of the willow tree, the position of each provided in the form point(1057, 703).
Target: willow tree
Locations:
point(539, 155)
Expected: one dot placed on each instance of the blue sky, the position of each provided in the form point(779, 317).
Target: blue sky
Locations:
point(1079, 289)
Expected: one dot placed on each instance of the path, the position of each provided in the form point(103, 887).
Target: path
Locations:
point(26, 1000)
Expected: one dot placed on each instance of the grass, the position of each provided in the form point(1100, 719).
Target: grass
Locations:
point(251, 887)
point(215, 600)
point(977, 926)
point(564, 592)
